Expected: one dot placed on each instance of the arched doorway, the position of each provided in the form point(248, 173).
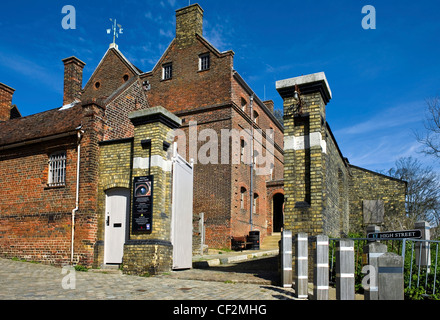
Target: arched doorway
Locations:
point(277, 209)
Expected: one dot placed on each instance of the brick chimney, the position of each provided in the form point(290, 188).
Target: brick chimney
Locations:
point(189, 21)
point(73, 73)
point(269, 104)
point(6, 94)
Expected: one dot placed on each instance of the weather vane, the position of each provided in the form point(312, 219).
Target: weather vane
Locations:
point(116, 29)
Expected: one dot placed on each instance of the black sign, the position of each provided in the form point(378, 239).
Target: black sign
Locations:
point(142, 217)
point(407, 234)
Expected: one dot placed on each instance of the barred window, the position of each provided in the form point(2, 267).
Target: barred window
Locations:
point(167, 71)
point(204, 62)
point(57, 169)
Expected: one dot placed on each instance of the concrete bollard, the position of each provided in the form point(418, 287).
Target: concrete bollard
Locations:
point(286, 259)
point(390, 276)
point(345, 270)
point(423, 252)
point(321, 269)
point(301, 266)
point(372, 251)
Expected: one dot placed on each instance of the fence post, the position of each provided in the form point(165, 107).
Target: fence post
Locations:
point(390, 276)
point(286, 258)
point(321, 270)
point(372, 251)
point(301, 265)
point(423, 258)
point(373, 229)
point(345, 270)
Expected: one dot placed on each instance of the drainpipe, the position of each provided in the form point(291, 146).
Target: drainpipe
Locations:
point(79, 133)
point(251, 197)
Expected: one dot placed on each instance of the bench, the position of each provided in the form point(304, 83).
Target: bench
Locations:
point(240, 243)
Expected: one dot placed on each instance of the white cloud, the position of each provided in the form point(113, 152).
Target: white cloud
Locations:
point(398, 116)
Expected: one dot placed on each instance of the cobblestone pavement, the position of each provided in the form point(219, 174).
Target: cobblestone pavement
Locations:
point(28, 281)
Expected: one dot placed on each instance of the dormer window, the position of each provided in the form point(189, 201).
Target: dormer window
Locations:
point(167, 71)
point(204, 62)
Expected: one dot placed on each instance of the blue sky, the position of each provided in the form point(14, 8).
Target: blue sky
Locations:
point(380, 78)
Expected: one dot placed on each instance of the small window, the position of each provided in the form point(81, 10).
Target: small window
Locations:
point(125, 77)
point(167, 71)
point(97, 85)
point(255, 208)
point(256, 116)
point(243, 104)
point(242, 150)
point(204, 62)
point(57, 169)
point(242, 197)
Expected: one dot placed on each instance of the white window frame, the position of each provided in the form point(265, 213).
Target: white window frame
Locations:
point(57, 169)
point(204, 62)
point(167, 71)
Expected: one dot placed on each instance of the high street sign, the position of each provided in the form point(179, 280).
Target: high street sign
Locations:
point(407, 234)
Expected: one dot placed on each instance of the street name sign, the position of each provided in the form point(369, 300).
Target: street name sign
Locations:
point(407, 234)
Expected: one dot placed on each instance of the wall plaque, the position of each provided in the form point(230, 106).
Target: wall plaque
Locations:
point(142, 217)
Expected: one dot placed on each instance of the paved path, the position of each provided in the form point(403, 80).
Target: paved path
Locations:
point(28, 281)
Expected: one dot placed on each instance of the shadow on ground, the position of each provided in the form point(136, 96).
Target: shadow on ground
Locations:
point(256, 271)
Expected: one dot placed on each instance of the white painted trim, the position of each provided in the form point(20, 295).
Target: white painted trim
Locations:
point(156, 161)
point(305, 142)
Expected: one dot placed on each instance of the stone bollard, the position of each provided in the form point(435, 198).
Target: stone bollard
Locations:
point(390, 276)
point(372, 251)
point(321, 269)
point(301, 266)
point(286, 259)
point(345, 270)
point(423, 252)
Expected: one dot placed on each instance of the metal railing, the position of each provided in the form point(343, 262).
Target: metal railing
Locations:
point(421, 265)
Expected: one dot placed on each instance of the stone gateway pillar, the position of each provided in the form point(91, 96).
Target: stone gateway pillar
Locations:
point(149, 248)
point(305, 147)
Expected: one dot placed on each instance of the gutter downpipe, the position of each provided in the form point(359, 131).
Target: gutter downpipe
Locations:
point(77, 194)
point(251, 197)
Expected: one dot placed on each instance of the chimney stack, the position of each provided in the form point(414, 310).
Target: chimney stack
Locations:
point(269, 104)
point(6, 94)
point(189, 21)
point(73, 73)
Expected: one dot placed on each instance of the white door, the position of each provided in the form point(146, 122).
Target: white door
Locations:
point(182, 213)
point(117, 207)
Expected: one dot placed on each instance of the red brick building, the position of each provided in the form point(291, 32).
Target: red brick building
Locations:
point(49, 162)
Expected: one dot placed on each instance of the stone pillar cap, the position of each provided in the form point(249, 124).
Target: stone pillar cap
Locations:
point(156, 114)
point(316, 82)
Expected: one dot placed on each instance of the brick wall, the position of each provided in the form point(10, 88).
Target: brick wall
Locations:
point(336, 209)
point(111, 74)
point(368, 185)
point(130, 98)
point(35, 220)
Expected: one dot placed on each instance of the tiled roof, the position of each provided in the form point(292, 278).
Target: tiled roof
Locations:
point(40, 125)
